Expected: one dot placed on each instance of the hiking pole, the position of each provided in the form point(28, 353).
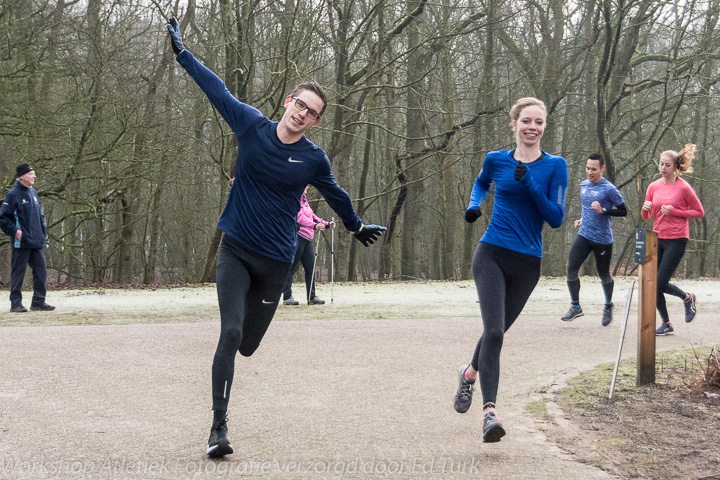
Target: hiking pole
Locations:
point(312, 280)
point(332, 260)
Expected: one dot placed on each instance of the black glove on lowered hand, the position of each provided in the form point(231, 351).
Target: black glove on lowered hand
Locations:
point(369, 233)
point(472, 214)
point(520, 170)
point(175, 36)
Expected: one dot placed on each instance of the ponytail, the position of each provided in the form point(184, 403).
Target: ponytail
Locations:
point(682, 159)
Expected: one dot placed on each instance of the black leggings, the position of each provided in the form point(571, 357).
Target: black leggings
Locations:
point(249, 287)
point(305, 253)
point(504, 280)
point(578, 254)
point(670, 253)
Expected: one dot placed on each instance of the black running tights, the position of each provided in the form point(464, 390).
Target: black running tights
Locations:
point(304, 254)
point(670, 253)
point(504, 280)
point(578, 254)
point(249, 288)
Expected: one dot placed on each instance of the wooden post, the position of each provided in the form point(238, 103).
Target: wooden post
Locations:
point(646, 311)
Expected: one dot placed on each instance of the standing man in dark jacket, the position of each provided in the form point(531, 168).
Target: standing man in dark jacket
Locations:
point(22, 218)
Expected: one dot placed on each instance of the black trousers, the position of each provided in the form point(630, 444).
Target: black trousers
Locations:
point(578, 254)
point(670, 253)
point(504, 280)
point(249, 287)
point(304, 254)
point(21, 258)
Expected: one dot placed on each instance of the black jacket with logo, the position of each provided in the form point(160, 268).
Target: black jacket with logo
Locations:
point(21, 211)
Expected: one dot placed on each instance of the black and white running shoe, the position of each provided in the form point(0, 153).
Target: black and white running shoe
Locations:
point(218, 443)
point(665, 329)
point(690, 309)
point(572, 314)
point(607, 317)
point(463, 397)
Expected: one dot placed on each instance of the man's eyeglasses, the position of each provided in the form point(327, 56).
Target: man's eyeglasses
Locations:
point(303, 106)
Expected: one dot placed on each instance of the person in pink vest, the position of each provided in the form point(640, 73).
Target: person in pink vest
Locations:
point(307, 223)
point(672, 201)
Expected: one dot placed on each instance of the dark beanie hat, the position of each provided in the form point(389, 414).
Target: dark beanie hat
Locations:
point(22, 169)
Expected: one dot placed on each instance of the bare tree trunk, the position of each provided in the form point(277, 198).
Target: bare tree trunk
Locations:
point(95, 243)
point(386, 265)
point(701, 138)
point(486, 100)
point(238, 87)
point(446, 248)
point(414, 220)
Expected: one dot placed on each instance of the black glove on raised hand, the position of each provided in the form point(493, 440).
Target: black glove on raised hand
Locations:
point(369, 233)
point(472, 214)
point(520, 170)
point(175, 36)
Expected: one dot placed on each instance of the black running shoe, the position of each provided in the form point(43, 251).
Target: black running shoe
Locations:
point(218, 443)
point(463, 397)
point(607, 317)
point(665, 329)
point(690, 309)
point(572, 314)
point(493, 430)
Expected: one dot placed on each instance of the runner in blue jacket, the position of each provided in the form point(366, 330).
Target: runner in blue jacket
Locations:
point(275, 162)
point(22, 218)
point(529, 191)
point(600, 200)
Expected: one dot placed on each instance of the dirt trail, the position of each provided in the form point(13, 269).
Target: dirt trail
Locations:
point(356, 399)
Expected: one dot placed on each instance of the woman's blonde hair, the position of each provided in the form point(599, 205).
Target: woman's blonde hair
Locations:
point(525, 102)
point(682, 159)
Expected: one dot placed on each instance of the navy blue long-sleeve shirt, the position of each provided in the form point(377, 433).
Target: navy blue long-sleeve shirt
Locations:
point(21, 211)
point(521, 207)
point(270, 176)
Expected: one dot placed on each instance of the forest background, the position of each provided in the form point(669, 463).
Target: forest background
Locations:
point(133, 163)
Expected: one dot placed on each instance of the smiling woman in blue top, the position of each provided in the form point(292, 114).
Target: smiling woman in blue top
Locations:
point(529, 191)
point(274, 164)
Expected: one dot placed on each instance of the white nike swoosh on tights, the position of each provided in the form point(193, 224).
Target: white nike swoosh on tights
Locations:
point(292, 160)
point(266, 302)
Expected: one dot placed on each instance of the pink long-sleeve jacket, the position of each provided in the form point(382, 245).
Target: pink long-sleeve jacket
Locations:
point(306, 219)
point(685, 204)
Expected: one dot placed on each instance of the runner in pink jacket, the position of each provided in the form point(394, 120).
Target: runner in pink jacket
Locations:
point(672, 201)
point(307, 223)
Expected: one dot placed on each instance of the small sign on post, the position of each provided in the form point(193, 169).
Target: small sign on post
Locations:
point(646, 256)
point(640, 245)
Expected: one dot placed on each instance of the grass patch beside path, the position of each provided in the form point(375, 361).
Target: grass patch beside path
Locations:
point(351, 301)
point(665, 430)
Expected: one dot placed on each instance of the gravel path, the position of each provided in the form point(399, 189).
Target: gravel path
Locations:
point(326, 398)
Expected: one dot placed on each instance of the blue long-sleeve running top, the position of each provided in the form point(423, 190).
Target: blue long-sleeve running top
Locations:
point(521, 206)
point(270, 176)
point(596, 226)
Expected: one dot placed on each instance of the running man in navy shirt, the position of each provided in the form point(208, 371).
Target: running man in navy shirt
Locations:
point(274, 164)
point(600, 200)
point(529, 191)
